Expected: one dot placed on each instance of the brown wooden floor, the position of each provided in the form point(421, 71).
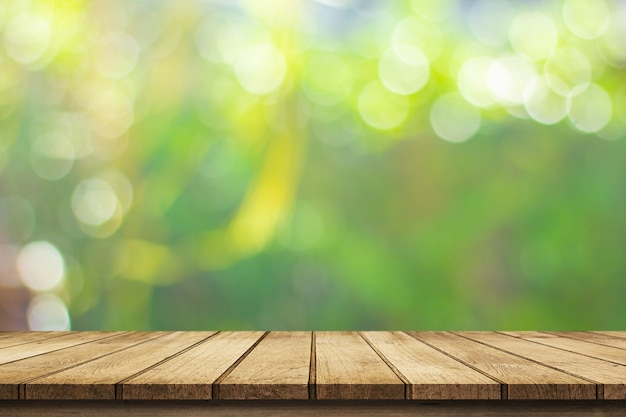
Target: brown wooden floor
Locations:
point(423, 366)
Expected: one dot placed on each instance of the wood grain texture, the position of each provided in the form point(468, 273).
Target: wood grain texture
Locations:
point(14, 373)
point(97, 379)
point(286, 366)
point(431, 374)
point(277, 368)
point(621, 335)
point(20, 338)
point(190, 376)
point(594, 350)
point(612, 376)
point(600, 339)
point(525, 379)
point(347, 368)
point(21, 351)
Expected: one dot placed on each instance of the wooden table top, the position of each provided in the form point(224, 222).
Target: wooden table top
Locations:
point(313, 365)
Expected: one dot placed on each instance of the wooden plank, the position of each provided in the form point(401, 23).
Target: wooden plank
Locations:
point(277, 368)
point(97, 379)
point(621, 335)
point(612, 376)
point(431, 374)
point(337, 408)
point(33, 348)
point(594, 338)
point(190, 376)
point(4, 334)
point(14, 373)
point(526, 380)
point(347, 368)
point(20, 338)
point(606, 353)
point(296, 365)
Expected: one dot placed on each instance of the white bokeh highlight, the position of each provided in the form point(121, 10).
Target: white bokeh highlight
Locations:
point(46, 312)
point(261, 68)
point(589, 109)
point(94, 201)
point(404, 69)
point(454, 119)
point(40, 266)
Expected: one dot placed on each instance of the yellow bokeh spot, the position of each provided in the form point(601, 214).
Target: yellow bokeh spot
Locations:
point(149, 262)
point(268, 201)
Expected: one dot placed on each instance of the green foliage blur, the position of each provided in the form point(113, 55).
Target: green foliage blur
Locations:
point(301, 164)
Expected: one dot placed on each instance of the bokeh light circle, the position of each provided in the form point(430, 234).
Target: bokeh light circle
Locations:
point(40, 266)
point(613, 45)
point(473, 81)
point(94, 201)
point(261, 68)
point(533, 35)
point(587, 19)
point(52, 156)
point(426, 36)
point(507, 78)
point(46, 312)
point(380, 108)
point(589, 108)
point(567, 68)
point(111, 112)
point(542, 103)
point(404, 69)
point(454, 119)
point(27, 37)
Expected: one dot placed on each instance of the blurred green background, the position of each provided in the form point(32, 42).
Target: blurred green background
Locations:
point(301, 164)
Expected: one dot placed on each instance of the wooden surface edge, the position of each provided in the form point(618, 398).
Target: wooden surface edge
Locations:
point(286, 408)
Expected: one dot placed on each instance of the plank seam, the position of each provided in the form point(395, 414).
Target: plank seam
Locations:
point(38, 341)
point(215, 387)
point(313, 370)
point(404, 379)
point(580, 339)
point(22, 385)
point(119, 386)
point(56, 350)
point(534, 361)
point(566, 350)
point(504, 387)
